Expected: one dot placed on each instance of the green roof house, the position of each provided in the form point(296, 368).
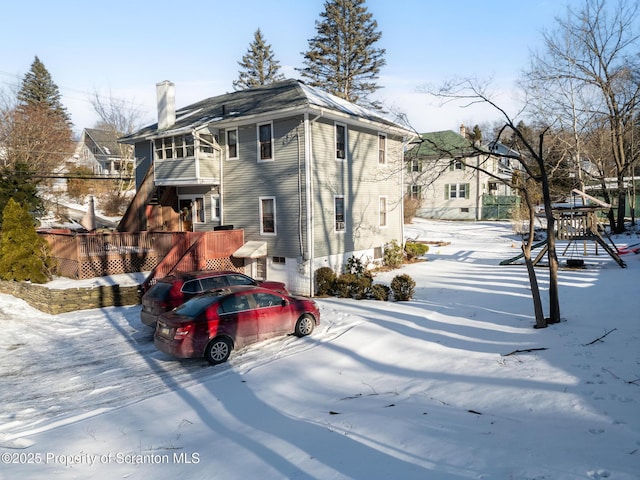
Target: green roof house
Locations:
point(455, 179)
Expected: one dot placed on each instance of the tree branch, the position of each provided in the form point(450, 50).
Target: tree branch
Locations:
point(599, 339)
point(524, 351)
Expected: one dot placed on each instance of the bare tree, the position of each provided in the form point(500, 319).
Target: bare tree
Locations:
point(588, 73)
point(34, 138)
point(119, 117)
point(531, 157)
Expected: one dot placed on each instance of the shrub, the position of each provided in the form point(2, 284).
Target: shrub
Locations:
point(325, 281)
point(380, 292)
point(80, 186)
point(114, 203)
point(345, 285)
point(23, 254)
point(415, 250)
point(403, 287)
point(393, 255)
point(354, 265)
point(411, 207)
point(361, 288)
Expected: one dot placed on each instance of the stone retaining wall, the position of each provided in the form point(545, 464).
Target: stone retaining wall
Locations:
point(55, 301)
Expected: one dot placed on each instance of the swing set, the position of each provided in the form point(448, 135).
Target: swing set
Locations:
point(579, 223)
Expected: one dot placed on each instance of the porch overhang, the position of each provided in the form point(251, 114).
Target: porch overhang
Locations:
point(252, 249)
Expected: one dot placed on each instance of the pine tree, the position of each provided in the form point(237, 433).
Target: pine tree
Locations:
point(342, 58)
point(23, 254)
point(39, 90)
point(36, 133)
point(16, 183)
point(258, 65)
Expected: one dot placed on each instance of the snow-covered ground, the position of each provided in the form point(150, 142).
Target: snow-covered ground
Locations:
point(424, 389)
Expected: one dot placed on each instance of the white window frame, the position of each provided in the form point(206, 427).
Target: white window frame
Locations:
point(415, 191)
point(228, 131)
point(455, 189)
point(336, 223)
point(382, 152)
point(346, 141)
point(215, 207)
point(196, 215)
point(383, 211)
point(272, 158)
point(456, 165)
point(275, 223)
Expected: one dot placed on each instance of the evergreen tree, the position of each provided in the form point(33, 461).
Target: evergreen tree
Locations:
point(476, 136)
point(258, 65)
point(37, 132)
point(39, 90)
point(16, 184)
point(342, 58)
point(23, 254)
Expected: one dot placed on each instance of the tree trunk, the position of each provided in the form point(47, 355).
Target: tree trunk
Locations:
point(622, 204)
point(531, 271)
point(554, 298)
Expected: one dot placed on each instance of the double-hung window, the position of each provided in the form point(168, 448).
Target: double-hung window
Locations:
point(456, 190)
point(339, 213)
point(415, 191)
point(265, 142)
point(382, 149)
point(215, 207)
point(341, 141)
point(383, 211)
point(414, 165)
point(456, 165)
point(267, 215)
point(232, 143)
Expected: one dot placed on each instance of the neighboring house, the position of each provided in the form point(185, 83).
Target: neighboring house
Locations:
point(310, 178)
point(100, 151)
point(444, 172)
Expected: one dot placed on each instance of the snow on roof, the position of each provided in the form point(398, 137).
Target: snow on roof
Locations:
point(320, 98)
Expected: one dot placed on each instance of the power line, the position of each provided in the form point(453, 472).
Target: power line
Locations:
point(79, 176)
point(87, 99)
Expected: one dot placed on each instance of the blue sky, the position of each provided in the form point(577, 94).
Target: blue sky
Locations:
point(124, 48)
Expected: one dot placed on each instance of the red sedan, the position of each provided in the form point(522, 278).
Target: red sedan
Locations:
point(213, 324)
point(172, 291)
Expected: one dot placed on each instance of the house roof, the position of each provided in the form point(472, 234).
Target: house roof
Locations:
point(104, 140)
point(443, 144)
point(287, 95)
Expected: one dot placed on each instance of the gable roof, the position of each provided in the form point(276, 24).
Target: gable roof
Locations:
point(104, 140)
point(287, 95)
point(443, 144)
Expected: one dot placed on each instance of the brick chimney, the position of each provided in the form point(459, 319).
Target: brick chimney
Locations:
point(166, 94)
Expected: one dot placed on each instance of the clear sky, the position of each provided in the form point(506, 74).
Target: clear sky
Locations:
point(123, 48)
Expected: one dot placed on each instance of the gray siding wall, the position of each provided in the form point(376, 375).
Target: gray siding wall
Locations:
point(361, 180)
point(144, 155)
point(206, 192)
point(246, 180)
point(176, 168)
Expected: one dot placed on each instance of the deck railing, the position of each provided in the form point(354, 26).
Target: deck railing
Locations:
point(88, 255)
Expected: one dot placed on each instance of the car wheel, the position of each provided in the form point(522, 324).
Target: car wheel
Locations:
point(218, 350)
point(304, 325)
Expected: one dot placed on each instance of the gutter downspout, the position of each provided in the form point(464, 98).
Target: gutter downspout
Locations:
point(308, 153)
point(478, 212)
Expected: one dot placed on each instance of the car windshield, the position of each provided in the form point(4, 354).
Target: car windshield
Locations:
point(196, 305)
point(240, 280)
